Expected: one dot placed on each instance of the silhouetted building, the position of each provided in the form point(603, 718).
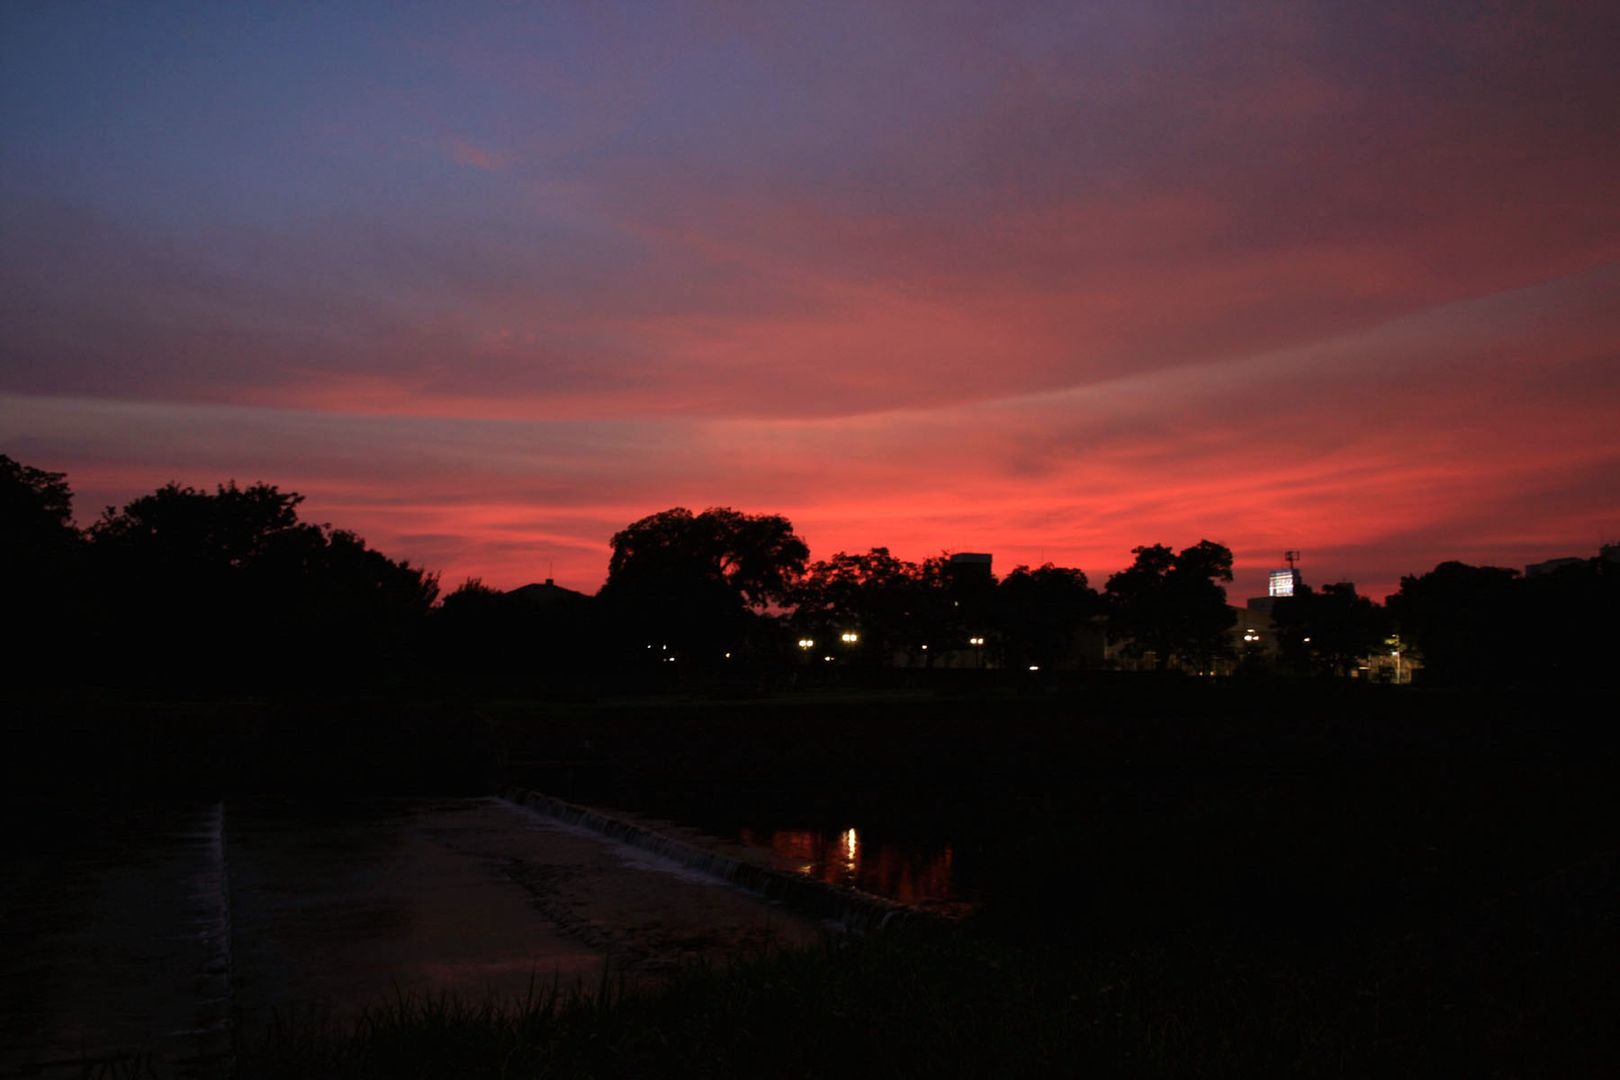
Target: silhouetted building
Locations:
point(970, 566)
point(547, 594)
point(1606, 553)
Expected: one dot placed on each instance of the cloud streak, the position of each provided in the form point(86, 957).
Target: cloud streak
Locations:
point(1045, 280)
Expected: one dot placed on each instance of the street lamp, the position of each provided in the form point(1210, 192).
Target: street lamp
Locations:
point(849, 637)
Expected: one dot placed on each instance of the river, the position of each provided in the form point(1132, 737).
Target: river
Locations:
point(176, 932)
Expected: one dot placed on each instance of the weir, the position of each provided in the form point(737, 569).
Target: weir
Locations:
point(851, 908)
point(163, 939)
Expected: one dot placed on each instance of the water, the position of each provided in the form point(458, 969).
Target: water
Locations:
point(915, 874)
point(116, 935)
point(175, 933)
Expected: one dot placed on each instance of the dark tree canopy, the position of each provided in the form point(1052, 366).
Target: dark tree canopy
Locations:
point(42, 553)
point(1171, 604)
point(697, 581)
point(871, 594)
point(756, 558)
point(1328, 632)
point(230, 527)
point(36, 512)
point(515, 641)
point(1040, 612)
point(1486, 625)
point(1461, 619)
point(896, 606)
point(231, 582)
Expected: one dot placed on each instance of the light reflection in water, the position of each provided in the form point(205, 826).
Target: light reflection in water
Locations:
point(911, 875)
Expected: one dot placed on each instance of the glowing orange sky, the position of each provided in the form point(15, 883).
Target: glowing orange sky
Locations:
point(1042, 280)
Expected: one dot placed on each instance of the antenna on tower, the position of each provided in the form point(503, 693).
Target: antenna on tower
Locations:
point(1291, 557)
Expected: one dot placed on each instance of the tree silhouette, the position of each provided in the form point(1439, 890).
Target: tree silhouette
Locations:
point(36, 512)
point(1039, 613)
point(232, 586)
point(1171, 605)
point(693, 585)
point(40, 549)
point(872, 594)
point(1463, 619)
point(521, 641)
point(1328, 632)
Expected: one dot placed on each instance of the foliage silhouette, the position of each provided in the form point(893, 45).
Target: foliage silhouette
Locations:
point(232, 589)
point(1041, 613)
point(538, 638)
point(1485, 625)
point(42, 552)
point(1328, 632)
point(893, 605)
point(694, 586)
point(1171, 606)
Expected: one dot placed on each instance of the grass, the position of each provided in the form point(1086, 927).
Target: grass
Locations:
point(1181, 879)
point(849, 1006)
point(972, 1006)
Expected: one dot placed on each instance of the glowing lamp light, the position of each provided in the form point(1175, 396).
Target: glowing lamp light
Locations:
point(975, 641)
point(807, 643)
point(851, 843)
point(1034, 667)
point(849, 637)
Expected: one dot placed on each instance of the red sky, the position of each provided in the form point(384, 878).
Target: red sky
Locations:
point(1050, 281)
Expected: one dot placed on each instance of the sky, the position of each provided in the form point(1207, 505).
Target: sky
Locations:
point(487, 282)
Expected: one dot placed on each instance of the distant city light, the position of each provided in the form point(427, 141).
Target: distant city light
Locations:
point(1034, 667)
point(975, 641)
point(1283, 581)
point(849, 637)
point(807, 643)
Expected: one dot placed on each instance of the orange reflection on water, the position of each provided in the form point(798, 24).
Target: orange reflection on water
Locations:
point(908, 875)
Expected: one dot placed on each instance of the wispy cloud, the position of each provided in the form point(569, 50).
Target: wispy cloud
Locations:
point(1044, 279)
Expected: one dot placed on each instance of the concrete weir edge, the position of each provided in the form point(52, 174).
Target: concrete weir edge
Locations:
point(853, 909)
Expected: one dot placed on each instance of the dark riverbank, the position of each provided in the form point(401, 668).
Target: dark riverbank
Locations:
point(1345, 878)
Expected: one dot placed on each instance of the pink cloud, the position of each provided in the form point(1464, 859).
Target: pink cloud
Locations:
point(473, 156)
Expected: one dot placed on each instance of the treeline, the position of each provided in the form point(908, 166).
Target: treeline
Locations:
point(231, 591)
point(189, 589)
